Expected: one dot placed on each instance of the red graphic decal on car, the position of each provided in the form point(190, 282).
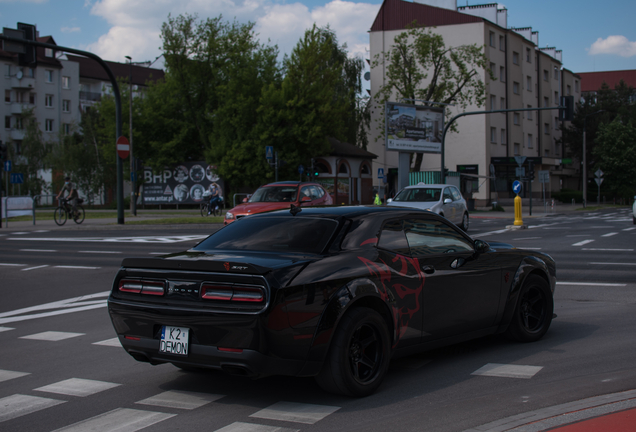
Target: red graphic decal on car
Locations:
point(227, 266)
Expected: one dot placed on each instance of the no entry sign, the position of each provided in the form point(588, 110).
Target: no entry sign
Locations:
point(123, 147)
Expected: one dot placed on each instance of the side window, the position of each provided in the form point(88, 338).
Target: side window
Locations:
point(456, 195)
point(315, 194)
point(392, 238)
point(305, 192)
point(447, 194)
point(431, 237)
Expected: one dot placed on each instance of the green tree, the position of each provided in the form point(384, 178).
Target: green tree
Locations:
point(616, 156)
point(419, 66)
point(31, 157)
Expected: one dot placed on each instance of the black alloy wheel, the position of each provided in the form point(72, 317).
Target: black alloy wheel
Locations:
point(359, 355)
point(533, 314)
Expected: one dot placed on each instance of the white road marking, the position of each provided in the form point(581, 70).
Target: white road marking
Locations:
point(527, 238)
point(4, 329)
point(494, 232)
point(150, 239)
point(77, 387)
point(37, 250)
point(529, 248)
point(74, 304)
point(252, 427)
point(180, 399)
point(601, 249)
point(578, 235)
point(613, 263)
point(12, 265)
point(18, 405)
point(508, 370)
point(77, 267)
point(629, 229)
point(109, 342)
point(591, 284)
point(35, 268)
point(584, 242)
point(296, 412)
point(19, 233)
point(52, 336)
point(6, 375)
point(120, 419)
point(100, 252)
point(609, 234)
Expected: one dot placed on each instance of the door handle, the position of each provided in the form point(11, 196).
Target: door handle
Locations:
point(428, 269)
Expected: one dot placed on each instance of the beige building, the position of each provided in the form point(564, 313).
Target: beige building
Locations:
point(526, 77)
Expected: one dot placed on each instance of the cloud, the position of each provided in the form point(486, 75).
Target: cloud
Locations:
point(613, 45)
point(70, 29)
point(137, 24)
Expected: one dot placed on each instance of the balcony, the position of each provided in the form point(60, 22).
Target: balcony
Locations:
point(18, 108)
point(24, 83)
point(17, 134)
point(90, 96)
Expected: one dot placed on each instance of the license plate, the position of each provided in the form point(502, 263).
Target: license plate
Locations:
point(174, 340)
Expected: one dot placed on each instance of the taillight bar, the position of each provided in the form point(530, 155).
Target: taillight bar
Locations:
point(232, 293)
point(157, 288)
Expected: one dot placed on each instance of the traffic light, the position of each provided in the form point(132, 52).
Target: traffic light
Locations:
point(566, 113)
point(3, 151)
point(530, 171)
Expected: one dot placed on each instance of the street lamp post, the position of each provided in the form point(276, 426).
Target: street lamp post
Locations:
point(585, 160)
point(133, 173)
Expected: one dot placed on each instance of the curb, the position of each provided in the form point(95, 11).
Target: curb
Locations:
point(561, 415)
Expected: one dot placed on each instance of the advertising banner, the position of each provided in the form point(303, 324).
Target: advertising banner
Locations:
point(183, 184)
point(414, 128)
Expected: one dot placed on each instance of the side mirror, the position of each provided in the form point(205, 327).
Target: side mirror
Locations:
point(244, 200)
point(481, 246)
point(389, 200)
point(304, 199)
point(448, 201)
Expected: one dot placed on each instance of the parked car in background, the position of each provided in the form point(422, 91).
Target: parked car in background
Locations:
point(634, 211)
point(280, 195)
point(329, 292)
point(443, 199)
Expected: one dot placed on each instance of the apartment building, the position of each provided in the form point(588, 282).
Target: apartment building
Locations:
point(527, 76)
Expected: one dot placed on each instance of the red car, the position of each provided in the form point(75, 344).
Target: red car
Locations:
point(280, 195)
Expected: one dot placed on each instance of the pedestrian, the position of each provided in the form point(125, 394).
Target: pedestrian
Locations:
point(377, 200)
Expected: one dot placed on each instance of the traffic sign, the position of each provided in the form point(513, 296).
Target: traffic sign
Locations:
point(516, 187)
point(520, 160)
point(520, 172)
point(380, 173)
point(598, 173)
point(544, 176)
point(123, 147)
point(269, 152)
point(7, 166)
point(301, 169)
point(17, 178)
point(599, 180)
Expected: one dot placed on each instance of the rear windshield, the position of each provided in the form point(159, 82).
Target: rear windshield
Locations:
point(419, 195)
point(275, 194)
point(276, 234)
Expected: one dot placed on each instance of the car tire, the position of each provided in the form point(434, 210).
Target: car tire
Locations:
point(359, 355)
point(533, 313)
point(465, 222)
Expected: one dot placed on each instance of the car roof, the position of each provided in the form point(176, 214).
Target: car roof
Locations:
point(289, 183)
point(436, 185)
point(337, 212)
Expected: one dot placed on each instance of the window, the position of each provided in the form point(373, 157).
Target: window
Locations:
point(530, 142)
point(66, 82)
point(515, 87)
point(546, 128)
point(48, 125)
point(31, 73)
point(529, 83)
point(545, 75)
point(528, 55)
point(493, 135)
point(7, 95)
point(66, 128)
point(18, 123)
point(66, 105)
point(32, 98)
point(432, 237)
point(515, 58)
point(556, 123)
point(546, 102)
point(515, 118)
point(48, 101)
point(556, 98)
point(48, 52)
point(529, 113)
point(503, 136)
point(502, 74)
point(48, 76)
point(516, 149)
point(7, 122)
point(502, 43)
point(493, 101)
point(392, 238)
point(502, 104)
point(556, 73)
point(568, 90)
point(492, 39)
point(576, 86)
point(493, 68)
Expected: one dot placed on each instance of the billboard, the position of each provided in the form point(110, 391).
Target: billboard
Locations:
point(413, 128)
point(183, 184)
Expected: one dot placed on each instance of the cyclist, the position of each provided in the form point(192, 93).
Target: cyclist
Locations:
point(72, 195)
point(214, 192)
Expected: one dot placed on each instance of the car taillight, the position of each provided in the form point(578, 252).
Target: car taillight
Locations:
point(232, 293)
point(156, 288)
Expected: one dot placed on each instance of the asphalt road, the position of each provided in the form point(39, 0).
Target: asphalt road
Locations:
point(61, 369)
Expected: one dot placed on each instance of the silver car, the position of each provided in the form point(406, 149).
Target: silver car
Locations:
point(634, 211)
point(443, 199)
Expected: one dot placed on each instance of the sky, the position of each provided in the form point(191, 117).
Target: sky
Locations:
point(593, 35)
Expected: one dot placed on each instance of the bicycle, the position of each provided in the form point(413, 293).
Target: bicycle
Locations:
point(64, 209)
point(207, 211)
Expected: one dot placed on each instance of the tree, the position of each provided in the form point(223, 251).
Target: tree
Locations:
point(616, 157)
point(31, 157)
point(419, 66)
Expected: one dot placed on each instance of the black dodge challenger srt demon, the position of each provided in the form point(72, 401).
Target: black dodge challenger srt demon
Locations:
point(332, 292)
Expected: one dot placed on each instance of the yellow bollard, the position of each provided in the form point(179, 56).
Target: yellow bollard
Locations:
point(518, 221)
